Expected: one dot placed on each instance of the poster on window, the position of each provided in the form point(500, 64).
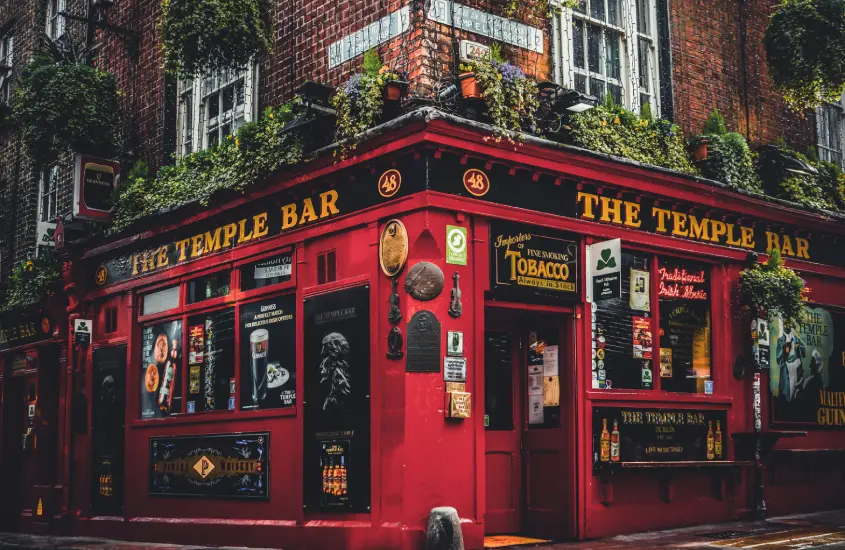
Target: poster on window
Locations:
point(639, 298)
point(268, 353)
point(642, 337)
point(161, 364)
point(337, 404)
point(807, 369)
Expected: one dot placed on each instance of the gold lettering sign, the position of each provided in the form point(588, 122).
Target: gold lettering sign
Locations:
point(460, 404)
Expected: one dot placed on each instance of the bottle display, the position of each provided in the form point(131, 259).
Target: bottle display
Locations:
point(325, 477)
point(614, 443)
point(605, 442)
point(710, 441)
point(165, 394)
point(343, 482)
point(718, 440)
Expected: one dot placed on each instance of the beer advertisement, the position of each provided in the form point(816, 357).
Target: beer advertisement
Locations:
point(337, 404)
point(211, 466)
point(658, 435)
point(268, 353)
point(161, 370)
point(533, 263)
point(807, 369)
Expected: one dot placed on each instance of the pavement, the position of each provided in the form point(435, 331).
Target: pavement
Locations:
point(806, 531)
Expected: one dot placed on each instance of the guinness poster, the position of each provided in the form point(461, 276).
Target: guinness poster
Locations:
point(161, 370)
point(268, 353)
point(807, 369)
point(658, 435)
point(531, 262)
point(337, 402)
point(215, 466)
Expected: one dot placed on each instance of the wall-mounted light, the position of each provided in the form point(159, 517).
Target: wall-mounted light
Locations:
point(575, 102)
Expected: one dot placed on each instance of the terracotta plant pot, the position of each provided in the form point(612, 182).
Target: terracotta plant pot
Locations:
point(394, 90)
point(700, 151)
point(469, 86)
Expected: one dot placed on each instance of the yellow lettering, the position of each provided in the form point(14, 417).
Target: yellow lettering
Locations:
point(289, 217)
point(182, 247)
point(229, 231)
point(588, 201)
point(803, 248)
point(720, 229)
point(149, 261)
point(532, 268)
point(772, 241)
point(513, 255)
point(212, 241)
point(679, 224)
point(787, 246)
point(163, 260)
point(135, 259)
point(243, 236)
point(611, 206)
point(747, 237)
point(328, 200)
point(196, 245)
point(260, 225)
point(308, 214)
point(662, 216)
point(731, 240)
point(698, 230)
point(632, 214)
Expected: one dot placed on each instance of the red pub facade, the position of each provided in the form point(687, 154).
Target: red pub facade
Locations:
point(319, 362)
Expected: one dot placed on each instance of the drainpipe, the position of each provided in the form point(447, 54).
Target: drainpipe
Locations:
point(743, 40)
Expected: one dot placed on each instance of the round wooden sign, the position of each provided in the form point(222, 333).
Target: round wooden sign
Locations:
point(393, 248)
point(389, 183)
point(424, 281)
point(476, 182)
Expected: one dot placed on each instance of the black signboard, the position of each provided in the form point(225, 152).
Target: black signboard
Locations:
point(107, 424)
point(531, 262)
point(807, 369)
point(423, 343)
point(270, 271)
point(19, 329)
point(622, 434)
point(161, 365)
point(211, 466)
point(98, 183)
point(337, 402)
point(268, 353)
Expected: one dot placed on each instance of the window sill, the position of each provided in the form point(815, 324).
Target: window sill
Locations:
point(215, 416)
point(655, 396)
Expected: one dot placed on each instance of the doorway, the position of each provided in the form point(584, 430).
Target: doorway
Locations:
point(529, 422)
point(11, 462)
point(108, 413)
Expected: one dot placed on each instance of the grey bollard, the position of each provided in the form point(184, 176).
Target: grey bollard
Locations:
point(444, 530)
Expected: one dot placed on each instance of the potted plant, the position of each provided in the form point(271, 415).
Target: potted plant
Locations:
point(805, 51)
point(470, 88)
point(395, 85)
point(32, 280)
point(724, 156)
point(773, 289)
point(203, 36)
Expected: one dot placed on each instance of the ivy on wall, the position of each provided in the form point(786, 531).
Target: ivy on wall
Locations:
point(31, 281)
point(773, 288)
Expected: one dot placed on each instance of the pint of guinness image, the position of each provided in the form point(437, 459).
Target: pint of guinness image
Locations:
point(259, 341)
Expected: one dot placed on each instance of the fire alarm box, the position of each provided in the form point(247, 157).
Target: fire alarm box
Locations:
point(94, 182)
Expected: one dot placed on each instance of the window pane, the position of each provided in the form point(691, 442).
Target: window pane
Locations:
point(213, 105)
point(228, 99)
point(684, 326)
point(539, 415)
point(622, 331)
point(498, 381)
point(597, 9)
point(613, 13)
point(161, 300)
point(613, 66)
point(208, 287)
point(578, 43)
point(268, 353)
point(643, 18)
point(267, 272)
point(161, 370)
point(645, 70)
point(211, 360)
point(597, 88)
point(594, 48)
point(581, 83)
point(582, 7)
point(616, 93)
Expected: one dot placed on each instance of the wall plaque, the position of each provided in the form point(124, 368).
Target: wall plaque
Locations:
point(454, 369)
point(393, 248)
point(211, 466)
point(423, 346)
point(424, 281)
point(658, 435)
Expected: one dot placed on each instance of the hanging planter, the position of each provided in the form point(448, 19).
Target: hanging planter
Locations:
point(66, 105)
point(805, 51)
point(772, 288)
point(202, 36)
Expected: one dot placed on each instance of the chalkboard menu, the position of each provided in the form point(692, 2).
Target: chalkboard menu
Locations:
point(658, 435)
point(616, 362)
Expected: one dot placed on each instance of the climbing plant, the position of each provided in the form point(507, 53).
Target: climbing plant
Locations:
point(773, 288)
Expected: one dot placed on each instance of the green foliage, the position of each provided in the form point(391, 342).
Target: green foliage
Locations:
point(510, 96)
point(203, 36)
point(360, 102)
point(825, 190)
point(616, 131)
point(773, 288)
point(812, 154)
point(645, 113)
point(715, 124)
point(241, 160)
point(61, 105)
point(32, 280)
point(730, 161)
point(538, 10)
point(805, 51)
